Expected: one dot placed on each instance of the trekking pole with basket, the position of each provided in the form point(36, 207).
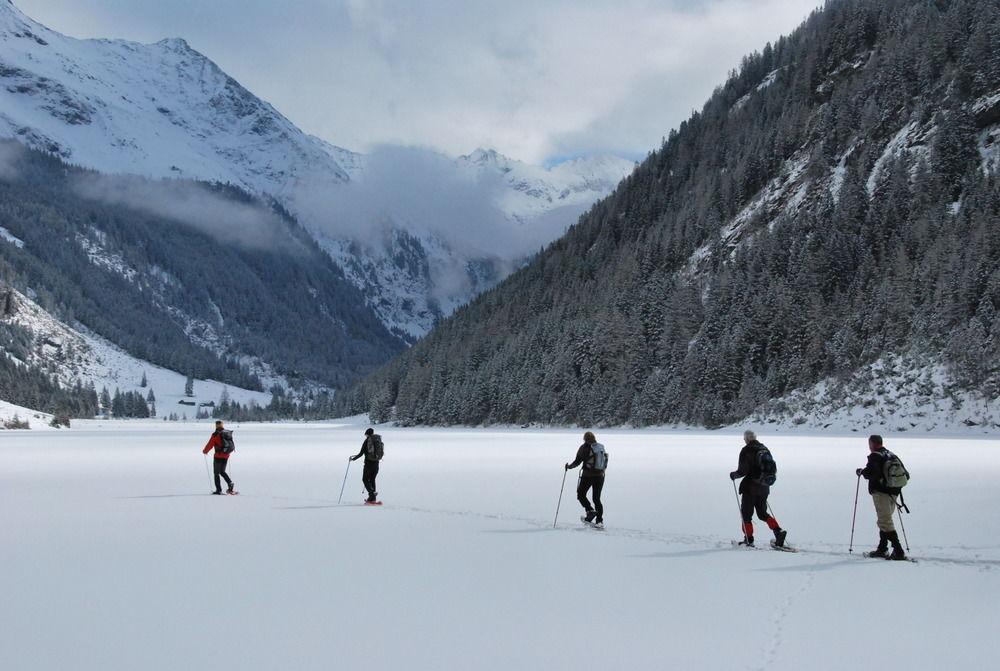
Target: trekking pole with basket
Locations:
point(341, 497)
point(746, 539)
point(559, 504)
point(208, 471)
point(899, 512)
point(854, 517)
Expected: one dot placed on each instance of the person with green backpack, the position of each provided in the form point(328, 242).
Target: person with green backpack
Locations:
point(759, 472)
point(372, 450)
point(886, 478)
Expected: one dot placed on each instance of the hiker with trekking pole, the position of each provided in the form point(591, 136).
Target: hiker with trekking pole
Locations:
point(594, 459)
point(886, 476)
point(372, 450)
point(222, 442)
point(759, 472)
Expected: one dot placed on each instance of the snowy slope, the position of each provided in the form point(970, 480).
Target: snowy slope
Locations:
point(73, 354)
point(17, 414)
point(165, 110)
point(459, 570)
point(158, 110)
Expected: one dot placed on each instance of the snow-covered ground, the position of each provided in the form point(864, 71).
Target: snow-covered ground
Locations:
point(10, 413)
point(116, 557)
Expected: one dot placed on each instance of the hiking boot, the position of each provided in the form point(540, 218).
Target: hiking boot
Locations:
point(232, 488)
point(589, 517)
point(748, 542)
point(779, 538)
point(897, 547)
point(371, 498)
point(217, 492)
point(883, 546)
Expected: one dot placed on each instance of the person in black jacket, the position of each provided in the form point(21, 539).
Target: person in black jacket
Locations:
point(370, 450)
point(884, 498)
point(753, 492)
point(594, 459)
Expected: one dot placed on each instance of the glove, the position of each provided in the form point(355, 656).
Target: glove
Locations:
point(567, 466)
point(733, 475)
point(859, 472)
point(354, 458)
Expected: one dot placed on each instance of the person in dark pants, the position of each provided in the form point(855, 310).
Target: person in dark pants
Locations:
point(373, 451)
point(753, 492)
point(884, 498)
point(594, 459)
point(221, 459)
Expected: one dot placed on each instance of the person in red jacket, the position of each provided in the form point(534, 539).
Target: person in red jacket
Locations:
point(221, 441)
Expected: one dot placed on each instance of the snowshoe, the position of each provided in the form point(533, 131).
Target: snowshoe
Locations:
point(218, 493)
point(744, 544)
point(880, 553)
point(373, 503)
point(782, 547)
point(232, 492)
point(591, 523)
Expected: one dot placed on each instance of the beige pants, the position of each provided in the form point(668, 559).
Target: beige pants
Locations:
point(885, 508)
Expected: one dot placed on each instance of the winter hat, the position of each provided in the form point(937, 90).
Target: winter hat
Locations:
point(369, 431)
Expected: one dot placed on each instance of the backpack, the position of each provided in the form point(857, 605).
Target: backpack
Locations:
point(767, 468)
point(894, 473)
point(376, 450)
point(598, 459)
point(228, 446)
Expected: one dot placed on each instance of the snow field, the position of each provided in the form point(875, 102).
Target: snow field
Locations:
point(116, 557)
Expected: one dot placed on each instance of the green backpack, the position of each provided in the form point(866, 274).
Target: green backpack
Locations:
point(894, 473)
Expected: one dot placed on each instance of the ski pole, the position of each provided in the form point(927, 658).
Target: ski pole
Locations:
point(341, 498)
point(559, 504)
point(736, 492)
point(208, 471)
point(854, 517)
point(899, 512)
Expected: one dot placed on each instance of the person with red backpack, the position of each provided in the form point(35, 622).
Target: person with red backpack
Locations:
point(886, 478)
point(759, 471)
point(222, 442)
point(594, 459)
point(372, 450)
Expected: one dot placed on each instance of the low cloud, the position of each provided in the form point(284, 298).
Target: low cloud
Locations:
point(428, 194)
point(10, 154)
point(192, 204)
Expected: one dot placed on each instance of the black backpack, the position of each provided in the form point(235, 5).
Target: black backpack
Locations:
point(767, 468)
point(376, 450)
point(228, 446)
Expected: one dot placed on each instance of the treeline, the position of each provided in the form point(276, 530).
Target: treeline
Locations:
point(659, 306)
point(281, 407)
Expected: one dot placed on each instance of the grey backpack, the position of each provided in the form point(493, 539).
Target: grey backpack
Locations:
point(598, 459)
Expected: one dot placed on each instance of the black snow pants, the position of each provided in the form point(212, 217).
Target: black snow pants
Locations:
point(368, 477)
point(754, 500)
point(586, 483)
point(220, 470)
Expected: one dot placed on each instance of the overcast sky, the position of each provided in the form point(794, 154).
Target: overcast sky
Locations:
point(538, 80)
